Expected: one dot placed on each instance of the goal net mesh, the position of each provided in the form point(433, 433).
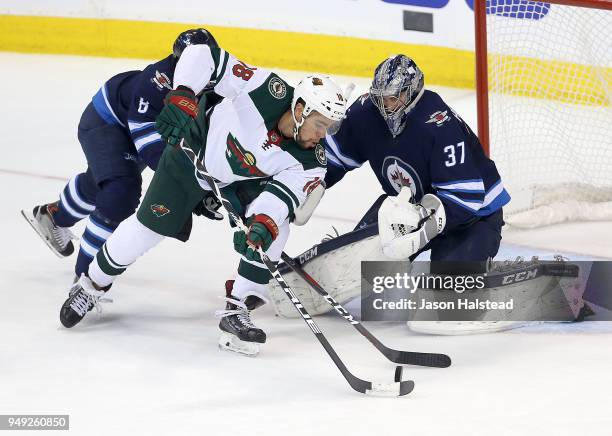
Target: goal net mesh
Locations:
point(550, 117)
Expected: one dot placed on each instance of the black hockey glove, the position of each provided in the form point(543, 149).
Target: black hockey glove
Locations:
point(209, 207)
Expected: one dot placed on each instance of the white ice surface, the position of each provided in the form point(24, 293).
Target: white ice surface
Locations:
point(150, 365)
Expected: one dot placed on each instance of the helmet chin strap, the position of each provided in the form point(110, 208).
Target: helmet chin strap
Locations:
point(298, 124)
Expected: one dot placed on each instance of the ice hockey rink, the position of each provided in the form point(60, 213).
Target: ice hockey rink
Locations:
point(149, 365)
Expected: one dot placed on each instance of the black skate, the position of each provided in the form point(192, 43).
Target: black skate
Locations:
point(83, 297)
point(238, 333)
point(59, 239)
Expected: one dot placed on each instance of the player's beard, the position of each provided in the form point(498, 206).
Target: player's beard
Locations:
point(304, 143)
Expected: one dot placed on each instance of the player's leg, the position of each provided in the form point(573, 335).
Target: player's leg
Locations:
point(465, 251)
point(248, 292)
point(165, 210)
point(77, 200)
point(117, 199)
point(476, 244)
point(52, 220)
point(111, 158)
point(115, 171)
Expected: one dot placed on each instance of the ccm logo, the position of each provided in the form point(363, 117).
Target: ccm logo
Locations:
point(304, 257)
point(519, 277)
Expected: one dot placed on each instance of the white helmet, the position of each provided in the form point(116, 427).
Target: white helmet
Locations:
point(319, 93)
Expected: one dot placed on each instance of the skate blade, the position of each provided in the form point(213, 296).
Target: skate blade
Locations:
point(34, 224)
point(229, 342)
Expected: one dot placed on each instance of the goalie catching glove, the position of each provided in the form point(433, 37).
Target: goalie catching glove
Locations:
point(405, 228)
point(180, 108)
point(262, 231)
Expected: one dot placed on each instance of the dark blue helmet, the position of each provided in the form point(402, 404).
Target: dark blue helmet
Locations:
point(192, 37)
point(394, 76)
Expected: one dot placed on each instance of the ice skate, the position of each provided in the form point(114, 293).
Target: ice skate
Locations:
point(59, 239)
point(83, 296)
point(238, 334)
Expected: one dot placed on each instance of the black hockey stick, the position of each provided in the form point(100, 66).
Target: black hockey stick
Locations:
point(402, 357)
point(394, 389)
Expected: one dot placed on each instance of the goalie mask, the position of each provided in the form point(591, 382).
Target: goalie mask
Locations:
point(319, 93)
point(396, 89)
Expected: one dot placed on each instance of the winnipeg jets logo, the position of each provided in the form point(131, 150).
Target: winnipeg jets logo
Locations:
point(398, 178)
point(438, 117)
point(161, 80)
point(399, 174)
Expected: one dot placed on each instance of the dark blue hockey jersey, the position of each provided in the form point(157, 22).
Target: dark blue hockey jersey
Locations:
point(436, 153)
point(133, 100)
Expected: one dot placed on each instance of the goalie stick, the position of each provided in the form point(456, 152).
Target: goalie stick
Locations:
point(366, 387)
point(402, 357)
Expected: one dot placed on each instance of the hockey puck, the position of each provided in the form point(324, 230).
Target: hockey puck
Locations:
point(398, 373)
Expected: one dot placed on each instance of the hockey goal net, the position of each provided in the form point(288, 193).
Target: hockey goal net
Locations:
point(544, 87)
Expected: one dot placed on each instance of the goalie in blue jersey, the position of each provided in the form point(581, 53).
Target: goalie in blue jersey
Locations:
point(442, 193)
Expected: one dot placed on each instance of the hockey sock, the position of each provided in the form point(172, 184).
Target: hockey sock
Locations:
point(96, 233)
point(75, 203)
point(243, 287)
point(129, 241)
point(116, 200)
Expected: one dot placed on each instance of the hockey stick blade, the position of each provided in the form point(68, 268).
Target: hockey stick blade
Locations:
point(434, 360)
point(396, 389)
point(391, 389)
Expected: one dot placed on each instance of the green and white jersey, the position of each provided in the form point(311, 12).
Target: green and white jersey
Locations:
point(242, 141)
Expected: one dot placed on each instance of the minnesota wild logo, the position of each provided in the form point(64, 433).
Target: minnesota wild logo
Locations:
point(320, 154)
point(159, 210)
point(241, 161)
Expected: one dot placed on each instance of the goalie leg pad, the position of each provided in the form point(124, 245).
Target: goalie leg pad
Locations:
point(552, 293)
point(337, 270)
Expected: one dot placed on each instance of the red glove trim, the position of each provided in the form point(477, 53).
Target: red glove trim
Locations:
point(268, 223)
point(186, 104)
